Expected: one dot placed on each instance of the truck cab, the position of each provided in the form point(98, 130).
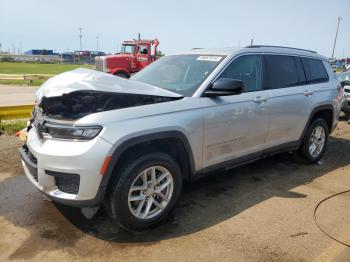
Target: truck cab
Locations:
point(133, 56)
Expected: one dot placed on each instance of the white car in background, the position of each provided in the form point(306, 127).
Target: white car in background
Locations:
point(344, 79)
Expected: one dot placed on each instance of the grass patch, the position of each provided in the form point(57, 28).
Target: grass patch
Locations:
point(22, 82)
point(338, 70)
point(11, 127)
point(29, 68)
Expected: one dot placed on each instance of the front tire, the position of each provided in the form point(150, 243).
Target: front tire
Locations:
point(146, 191)
point(315, 141)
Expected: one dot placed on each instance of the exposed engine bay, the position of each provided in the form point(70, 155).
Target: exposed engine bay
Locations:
point(81, 103)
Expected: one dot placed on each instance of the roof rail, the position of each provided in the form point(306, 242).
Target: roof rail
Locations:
point(257, 46)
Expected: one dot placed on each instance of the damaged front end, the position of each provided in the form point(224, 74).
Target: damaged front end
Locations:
point(70, 96)
point(81, 103)
point(75, 105)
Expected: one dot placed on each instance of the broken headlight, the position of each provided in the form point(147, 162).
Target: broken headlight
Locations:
point(51, 130)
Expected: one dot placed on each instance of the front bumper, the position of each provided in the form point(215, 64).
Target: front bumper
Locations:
point(66, 171)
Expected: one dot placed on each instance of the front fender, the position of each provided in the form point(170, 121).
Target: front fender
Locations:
point(118, 149)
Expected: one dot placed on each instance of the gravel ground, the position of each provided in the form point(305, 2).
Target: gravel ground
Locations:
point(263, 211)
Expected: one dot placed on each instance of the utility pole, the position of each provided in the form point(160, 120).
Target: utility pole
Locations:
point(251, 41)
point(336, 35)
point(139, 36)
point(80, 37)
point(97, 44)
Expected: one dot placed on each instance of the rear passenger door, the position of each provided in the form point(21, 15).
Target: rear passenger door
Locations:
point(289, 104)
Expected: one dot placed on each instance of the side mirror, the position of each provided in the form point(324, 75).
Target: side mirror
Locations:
point(345, 83)
point(225, 87)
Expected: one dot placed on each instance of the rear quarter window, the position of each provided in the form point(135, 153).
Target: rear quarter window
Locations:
point(314, 70)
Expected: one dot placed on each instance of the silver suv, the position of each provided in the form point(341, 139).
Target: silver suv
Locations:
point(129, 144)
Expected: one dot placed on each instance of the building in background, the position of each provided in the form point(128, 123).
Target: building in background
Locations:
point(40, 52)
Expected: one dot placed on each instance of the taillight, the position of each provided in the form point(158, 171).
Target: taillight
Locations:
point(340, 93)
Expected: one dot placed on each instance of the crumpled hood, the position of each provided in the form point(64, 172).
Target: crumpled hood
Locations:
point(78, 93)
point(91, 80)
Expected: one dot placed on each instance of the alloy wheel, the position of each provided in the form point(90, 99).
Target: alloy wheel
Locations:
point(150, 192)
point(317, 141)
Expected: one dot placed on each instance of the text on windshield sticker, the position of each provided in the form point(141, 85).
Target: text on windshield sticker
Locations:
point(209, 58)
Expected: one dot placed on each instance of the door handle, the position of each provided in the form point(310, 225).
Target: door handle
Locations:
point(260, 99)
point(308, 93)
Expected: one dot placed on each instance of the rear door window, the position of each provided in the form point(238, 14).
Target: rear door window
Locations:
point(314, 70)
point(282, 71)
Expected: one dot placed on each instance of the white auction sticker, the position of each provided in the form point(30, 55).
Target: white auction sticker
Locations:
point(209, 58)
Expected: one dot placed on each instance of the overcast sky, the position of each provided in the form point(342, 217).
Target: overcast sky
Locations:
point(178, 24)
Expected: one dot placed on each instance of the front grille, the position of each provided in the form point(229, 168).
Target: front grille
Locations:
point(100, 64)
point(40, 128)
point(38, 122)
point(30, 161)
point(32, 157)
point(65, 182)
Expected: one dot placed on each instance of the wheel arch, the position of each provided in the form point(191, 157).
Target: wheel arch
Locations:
point(176, 141)
point(323, 111)
point(121, 71)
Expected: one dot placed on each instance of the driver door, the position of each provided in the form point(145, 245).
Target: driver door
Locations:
point(143, 56)
point(236, 125)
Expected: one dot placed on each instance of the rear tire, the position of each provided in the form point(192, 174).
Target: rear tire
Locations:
point(136, 181)
point(315, 141)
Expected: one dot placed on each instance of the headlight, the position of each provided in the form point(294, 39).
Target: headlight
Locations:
point(51, 130)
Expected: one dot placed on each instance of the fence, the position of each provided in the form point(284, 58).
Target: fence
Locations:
point(30, 58)
point(49, 59)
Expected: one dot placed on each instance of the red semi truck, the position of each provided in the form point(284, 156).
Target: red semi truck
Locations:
point(134, 56)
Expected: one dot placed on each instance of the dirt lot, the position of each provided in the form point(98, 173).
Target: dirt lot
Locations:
point(263, 211)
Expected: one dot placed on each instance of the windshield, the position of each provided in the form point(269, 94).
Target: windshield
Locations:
point(182, 74)
point(127, 49)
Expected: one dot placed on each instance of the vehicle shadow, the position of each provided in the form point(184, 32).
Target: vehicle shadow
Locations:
point(221, 196)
